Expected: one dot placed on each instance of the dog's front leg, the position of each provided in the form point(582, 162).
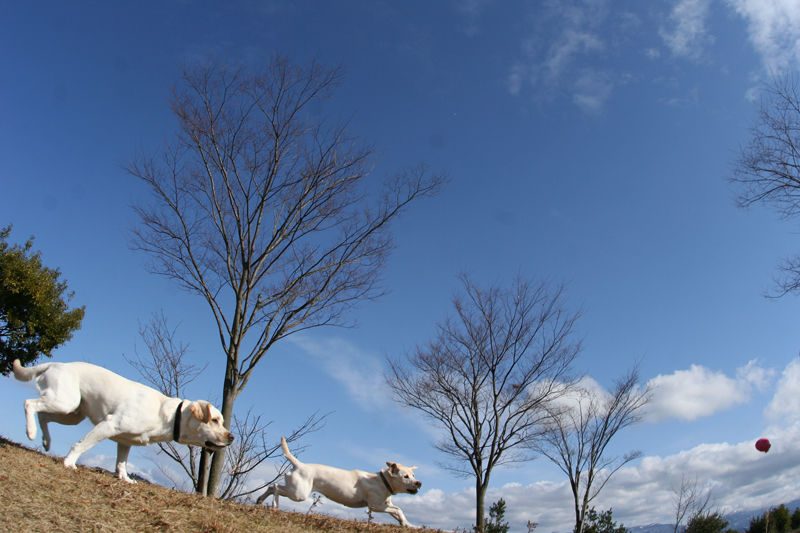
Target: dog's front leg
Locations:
point(397, 513)
point(102, 431)
point(122, 462)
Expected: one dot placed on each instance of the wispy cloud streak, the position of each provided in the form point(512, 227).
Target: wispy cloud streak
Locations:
point(774, 30)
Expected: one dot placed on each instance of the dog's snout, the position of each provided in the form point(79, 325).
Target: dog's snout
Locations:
point(418, 484)
point(230, 437)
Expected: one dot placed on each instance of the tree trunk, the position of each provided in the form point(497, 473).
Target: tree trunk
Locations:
point(584, 505)
point(202, 473)
point(218, 461)
point(480, 506)
point(574, 485)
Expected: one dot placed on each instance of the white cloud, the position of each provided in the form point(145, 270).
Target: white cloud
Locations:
point(592, 90)
point(739, 477)
point(687, 100)
point(516, 78)
point(574, 41)
point(774, 28)
point(687, 35)
point(569, 38)
point(359, 373)
point(652, 53)
point(576, 397)
point(785, 404)
point(757, 377)
point(565, 44)
point(698, 392)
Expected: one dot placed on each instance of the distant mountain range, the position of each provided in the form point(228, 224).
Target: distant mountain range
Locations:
point(739, 520)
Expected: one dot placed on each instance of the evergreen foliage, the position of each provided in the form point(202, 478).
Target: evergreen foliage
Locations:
point(780, 519)
point(777, 520)
point(601, 523)
point(796, 519)
point(34, 313)
point(707, 522)
point(497, 513)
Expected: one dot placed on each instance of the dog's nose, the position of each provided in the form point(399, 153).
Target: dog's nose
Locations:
point(419, 484)
point(230, 437)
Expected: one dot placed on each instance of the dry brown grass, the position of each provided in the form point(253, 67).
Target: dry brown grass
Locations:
point(37, 494)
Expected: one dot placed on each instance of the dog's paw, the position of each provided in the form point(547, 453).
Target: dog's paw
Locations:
point(123, 475)
point(70, 463)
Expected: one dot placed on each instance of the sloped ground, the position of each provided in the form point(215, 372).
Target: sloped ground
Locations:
point(37, 494)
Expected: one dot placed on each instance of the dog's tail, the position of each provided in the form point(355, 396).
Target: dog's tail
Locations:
point(27, 374)
point(286, 453)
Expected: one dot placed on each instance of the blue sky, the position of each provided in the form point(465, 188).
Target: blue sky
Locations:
point(588, 141)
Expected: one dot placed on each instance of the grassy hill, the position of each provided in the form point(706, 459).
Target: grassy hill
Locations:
point(37, 494)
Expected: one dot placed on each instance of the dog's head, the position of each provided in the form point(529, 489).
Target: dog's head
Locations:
point(401, 478)
point(205, 427)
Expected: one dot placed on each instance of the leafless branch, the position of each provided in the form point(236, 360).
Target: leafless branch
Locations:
point(580, 430)
point(767, 170)
point(689, 501)
point(260, 206)
point(251, 450)
point(489, 373)
point(167, 371)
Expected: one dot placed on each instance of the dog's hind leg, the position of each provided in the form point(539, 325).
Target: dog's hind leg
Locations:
point(275, 497)
point(270, 490)
point(122, 462)
point(273, 490)
point(50, 405)
point(68, 420)
point(57, 397)
point(31, 408)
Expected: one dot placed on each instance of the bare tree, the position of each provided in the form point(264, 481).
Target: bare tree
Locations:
point(580, 430)
point(690, 502)
point(250, 450)
point(767, 170)
point(488, 373)
point(260, 207)
point(166, 370)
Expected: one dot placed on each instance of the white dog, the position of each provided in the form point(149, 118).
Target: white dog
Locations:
point(124, 411)
point(352, 488)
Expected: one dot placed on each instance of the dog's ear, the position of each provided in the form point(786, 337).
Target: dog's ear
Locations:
point(392, 468)
point(414, 467)
point(201, 411)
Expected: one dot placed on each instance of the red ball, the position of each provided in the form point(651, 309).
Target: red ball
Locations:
point(763, 445)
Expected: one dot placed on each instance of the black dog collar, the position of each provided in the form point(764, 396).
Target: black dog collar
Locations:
point(388, 487)
point(176, 428)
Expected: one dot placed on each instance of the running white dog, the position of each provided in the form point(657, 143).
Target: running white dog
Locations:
point(129, 413)
point(352, 488)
